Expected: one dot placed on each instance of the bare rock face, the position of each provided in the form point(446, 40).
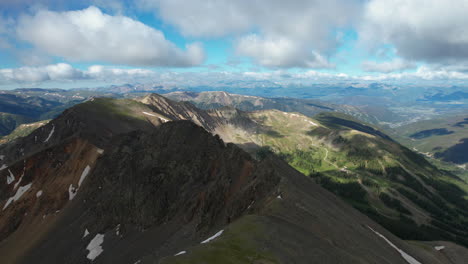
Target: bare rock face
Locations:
point(178, 177)
point(180, 111)
point(178, 171)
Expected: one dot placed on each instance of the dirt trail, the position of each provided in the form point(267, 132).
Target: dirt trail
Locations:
point(327, 161)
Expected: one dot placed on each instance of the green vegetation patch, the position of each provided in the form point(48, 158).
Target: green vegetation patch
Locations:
point(237, 244)
point(22, 131)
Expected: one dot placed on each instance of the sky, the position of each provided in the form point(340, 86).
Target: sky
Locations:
point(90, 43)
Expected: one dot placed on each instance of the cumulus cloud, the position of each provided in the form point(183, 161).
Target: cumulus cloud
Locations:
point(116, 75)
point(423, 73)
point(54, 72)
point(306, 30)
point(90, 35)
point(387, 66)
point(66, 72)
point(428, 30)
point(111, 75)
point(280, 52)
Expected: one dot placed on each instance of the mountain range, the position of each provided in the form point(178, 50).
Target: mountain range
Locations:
point(152, 180)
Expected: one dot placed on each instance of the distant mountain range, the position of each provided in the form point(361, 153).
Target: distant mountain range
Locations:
point(152, 180)
point(444, 97)
point(381, 104)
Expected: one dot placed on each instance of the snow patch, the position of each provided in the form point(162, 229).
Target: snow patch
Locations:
point(10, 178)
point(213, 237)
point(17, 195)
point(84, 174)
point(162, 118)
point(50, 134)
point(100, 151)
point(279, 197)
point(180, 253)
point(149, 114)
point(312, 123)
point(2, 157)
point(439, 248)
point(72, 192)
point(19, 181)
point(39, 193)
point(21, 177)
point(407, 257)
point(86, 233)
point(94, 247)
point(3, 167)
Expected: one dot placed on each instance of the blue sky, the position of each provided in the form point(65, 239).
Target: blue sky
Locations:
point(98, 42)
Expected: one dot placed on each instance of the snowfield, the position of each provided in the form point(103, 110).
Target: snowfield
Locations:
point(407, 257)
point(86, 233)
point(162, 118)
point(10, 178)
point(71, 192)
point(94, 247)
point(213, 237)
point(21, 190)
point(84, 174)
point(50, 134)
point(149, 114)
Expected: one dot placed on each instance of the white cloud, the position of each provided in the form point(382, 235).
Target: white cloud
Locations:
point(65, 72)
point(55, 72)
point(387, 66)
point(90, 35)
point(280, 52)
point(118, 75)
point(305, 30)
point(429, 30)
point(423, 73)
point(208, 18)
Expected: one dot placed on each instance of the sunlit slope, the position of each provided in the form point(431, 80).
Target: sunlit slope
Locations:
point(387, 181)
point(445, 138)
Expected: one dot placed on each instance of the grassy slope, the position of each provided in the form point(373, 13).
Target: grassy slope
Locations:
point(237, 244)
point(383, 179)
point(22, 131)
point(8, 122)
point(435, 143)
